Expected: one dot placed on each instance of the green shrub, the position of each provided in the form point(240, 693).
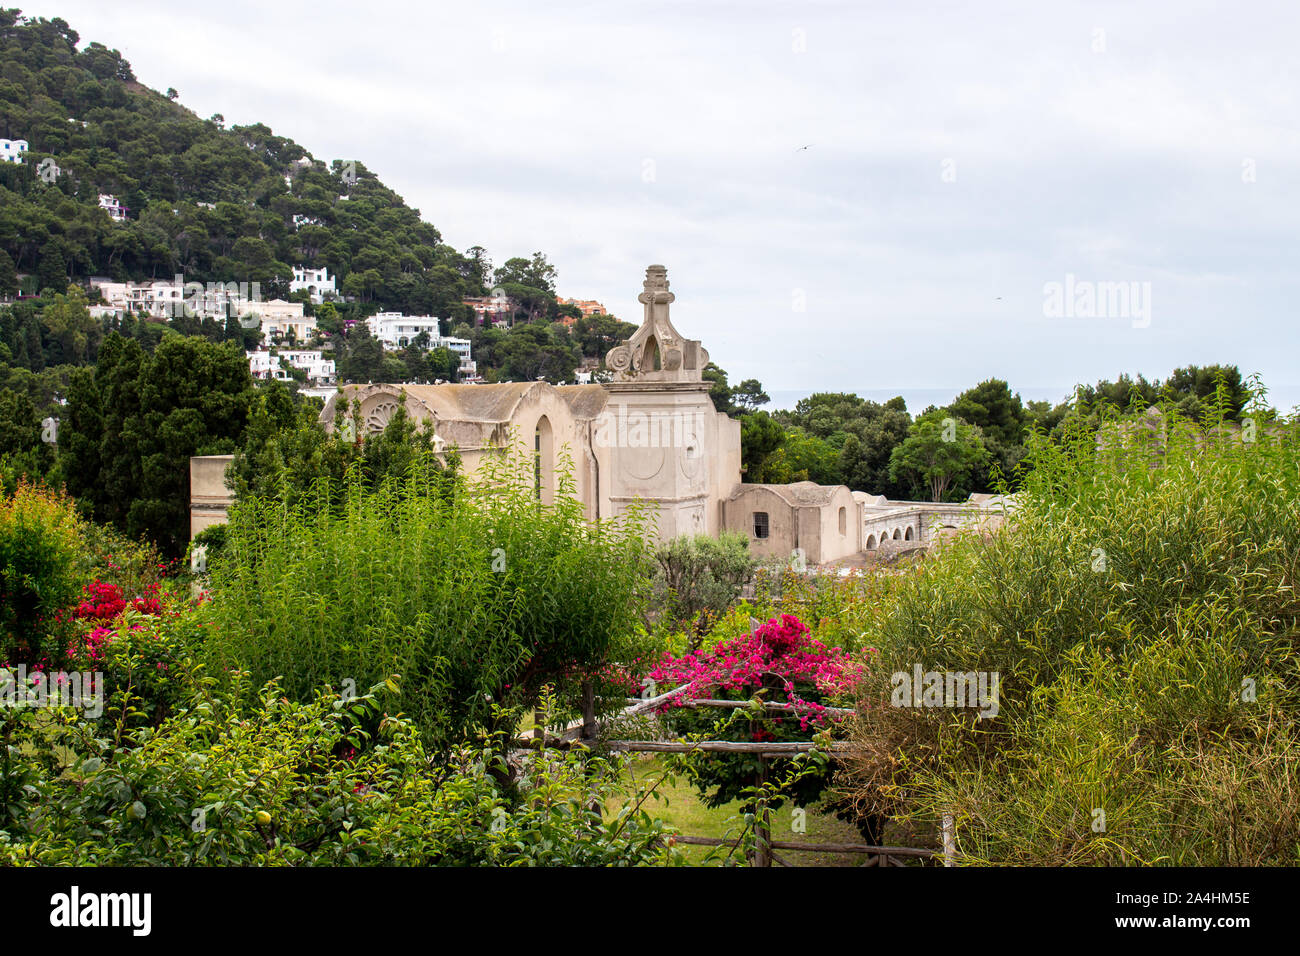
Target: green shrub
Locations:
point(476, 591)
point(698, 577)
point(1140, 609)
point(134, 565)
point(319, 783)
point(39, 572)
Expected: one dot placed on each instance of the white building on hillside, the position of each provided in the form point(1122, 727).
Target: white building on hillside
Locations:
point(468, 367)
point(259, 363)
point(320, 370)
point(111, 206)
point(397, 331)
point(172, 300)
point(13, 150)
point(281, 319)
point(315, 282)
point(267, 364)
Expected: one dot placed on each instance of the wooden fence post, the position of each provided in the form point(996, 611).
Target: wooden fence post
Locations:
point(588, 710)
point(762, 822)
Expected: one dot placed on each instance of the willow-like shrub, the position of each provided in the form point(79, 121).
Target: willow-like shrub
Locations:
point(1140, 607)
point(473, 590)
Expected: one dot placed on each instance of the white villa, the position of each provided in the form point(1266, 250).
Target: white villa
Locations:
point(13, 150)
point(315, 282)
point(114, 208)
point(266, 364)
point(166, 300)
point(397, 331)
point(282, 318)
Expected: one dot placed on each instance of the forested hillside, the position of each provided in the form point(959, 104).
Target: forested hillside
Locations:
point(215, 203)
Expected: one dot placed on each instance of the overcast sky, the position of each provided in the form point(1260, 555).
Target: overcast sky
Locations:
point(961, 156)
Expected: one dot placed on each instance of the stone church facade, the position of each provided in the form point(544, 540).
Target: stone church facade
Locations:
point(649, 434)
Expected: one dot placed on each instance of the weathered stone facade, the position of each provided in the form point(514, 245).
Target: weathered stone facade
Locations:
point(803, 520)
point(650, 434)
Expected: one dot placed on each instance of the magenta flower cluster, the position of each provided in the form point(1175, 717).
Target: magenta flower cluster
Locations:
point(780, 655)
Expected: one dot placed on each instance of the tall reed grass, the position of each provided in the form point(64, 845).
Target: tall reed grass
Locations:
point(471, 590)
point(1141, 609)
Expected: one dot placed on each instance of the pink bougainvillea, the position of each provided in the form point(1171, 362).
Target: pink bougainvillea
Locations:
point(779, 655)
point(101, 607)
point(103, 602)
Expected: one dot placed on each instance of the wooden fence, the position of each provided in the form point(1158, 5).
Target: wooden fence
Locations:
point(764, 854)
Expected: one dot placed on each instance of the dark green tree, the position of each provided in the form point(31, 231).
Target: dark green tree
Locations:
point(749, 395)
point(154, 412)
point(939, 453)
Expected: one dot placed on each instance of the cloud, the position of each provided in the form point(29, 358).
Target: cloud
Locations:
point(962, 156)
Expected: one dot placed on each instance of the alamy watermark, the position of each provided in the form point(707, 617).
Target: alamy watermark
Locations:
point(977, 690)
point(80, 689)
point(623, 428)
point(127, 910)
point(1084, 299)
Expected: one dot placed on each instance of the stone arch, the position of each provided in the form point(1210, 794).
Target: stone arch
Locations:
point(897, 534)
point(544, 461)
point(651, 361)
point(376, 413)
point(871, 542)
point(907, 535)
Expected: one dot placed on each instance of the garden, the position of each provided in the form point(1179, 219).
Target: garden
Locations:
point(416, 668)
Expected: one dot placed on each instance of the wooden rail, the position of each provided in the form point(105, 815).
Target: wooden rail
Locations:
point(764, 852)
point(763, 748)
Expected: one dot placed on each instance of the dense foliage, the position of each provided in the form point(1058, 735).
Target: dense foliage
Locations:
point(476, 592)
point(777, 662)
point(323, 782)
point(39, 570)
point(1140, 611)
point(697, 578)
point(133, 424)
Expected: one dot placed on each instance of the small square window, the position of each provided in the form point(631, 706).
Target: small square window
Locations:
point(760, 524)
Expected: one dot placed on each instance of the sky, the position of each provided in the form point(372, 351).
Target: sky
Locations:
point(1042, 193)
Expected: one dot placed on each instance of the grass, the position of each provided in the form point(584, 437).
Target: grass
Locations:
point(1141, 611)
point(684, 811)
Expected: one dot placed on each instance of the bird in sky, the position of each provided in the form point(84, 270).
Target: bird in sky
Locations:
point(802, 148)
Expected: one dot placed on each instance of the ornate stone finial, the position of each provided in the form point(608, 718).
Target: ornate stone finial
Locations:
point(656, 352)
point(656, 287)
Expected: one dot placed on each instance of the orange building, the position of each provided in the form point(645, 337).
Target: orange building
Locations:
point(585, 306)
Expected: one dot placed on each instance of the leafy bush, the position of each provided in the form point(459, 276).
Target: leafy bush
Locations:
point(317, 783)
point(39, 570)
point(476, 591)
point(133, 565)
point(698, 577)
point(1141, 611)
point(780, 663)
point(142, 652)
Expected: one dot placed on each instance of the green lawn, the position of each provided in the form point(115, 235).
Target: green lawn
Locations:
point(684, 811)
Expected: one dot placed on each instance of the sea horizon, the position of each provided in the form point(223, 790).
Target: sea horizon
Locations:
point(1285, 398)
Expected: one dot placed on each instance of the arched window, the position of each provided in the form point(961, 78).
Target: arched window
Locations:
point(871, 542)
point(650, 360)
point(907, 535)
point(543, 461)
point(844, 520)
point(897, 534)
